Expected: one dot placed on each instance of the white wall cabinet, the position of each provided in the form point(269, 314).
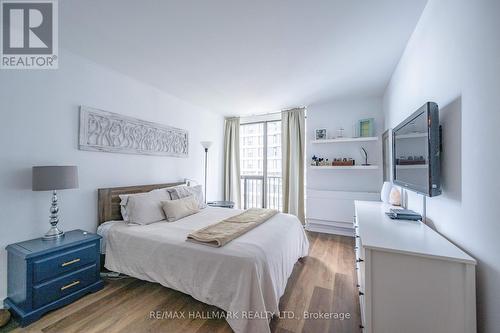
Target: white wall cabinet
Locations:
point(331, 211)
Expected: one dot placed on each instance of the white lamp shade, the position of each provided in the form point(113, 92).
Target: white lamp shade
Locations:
point(206, 144)
point(395, 197)
point(386, 192)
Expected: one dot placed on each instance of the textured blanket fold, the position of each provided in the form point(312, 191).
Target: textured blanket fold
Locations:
point(221, 233)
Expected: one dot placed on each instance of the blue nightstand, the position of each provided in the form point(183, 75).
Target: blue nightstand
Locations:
point(45, 275)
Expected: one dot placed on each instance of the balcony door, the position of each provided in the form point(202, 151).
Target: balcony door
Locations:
point(260, 162)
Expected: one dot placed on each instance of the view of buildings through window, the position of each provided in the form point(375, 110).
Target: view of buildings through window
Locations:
point(260, 158)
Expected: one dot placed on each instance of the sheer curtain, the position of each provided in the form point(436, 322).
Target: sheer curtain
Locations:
point(293, 149)
point(232, 187)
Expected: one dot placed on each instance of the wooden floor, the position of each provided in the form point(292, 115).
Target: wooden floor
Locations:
point(324, 282)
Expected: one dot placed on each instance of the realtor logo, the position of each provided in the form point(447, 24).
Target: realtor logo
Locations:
point(29, 38)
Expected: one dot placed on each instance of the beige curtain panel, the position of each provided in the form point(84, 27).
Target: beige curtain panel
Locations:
point(293, 149)
point(232, 187)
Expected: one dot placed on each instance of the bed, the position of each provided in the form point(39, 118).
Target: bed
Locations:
point(246, 277)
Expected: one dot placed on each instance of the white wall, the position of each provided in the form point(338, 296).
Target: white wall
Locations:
point(344, 113)
point(39, 126)
point(453, 58)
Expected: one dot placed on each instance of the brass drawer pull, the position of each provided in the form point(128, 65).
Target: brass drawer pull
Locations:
point(72, 284)
point(67, 263)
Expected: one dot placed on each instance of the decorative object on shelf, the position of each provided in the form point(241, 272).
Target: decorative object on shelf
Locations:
point(385, 192)
point(340, 132)
point(53, 178)
point(314, 160)
point(365, 155)
point(317, 161)
point(115, 133)
point(320, 134)
point(395, 197)
point(343, 162)
point(339, 161)
point(366, 127)
point(4, 317)
point(206, 145)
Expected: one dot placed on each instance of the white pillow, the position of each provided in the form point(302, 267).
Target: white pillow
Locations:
point(145, 208)
point(124, 201)
point(173, 192)
point(177, 209)
point(180, 192)
point(123, 207)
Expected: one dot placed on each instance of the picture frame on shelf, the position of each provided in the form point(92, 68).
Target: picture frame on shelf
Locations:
point(320, 134)
point(365, 128)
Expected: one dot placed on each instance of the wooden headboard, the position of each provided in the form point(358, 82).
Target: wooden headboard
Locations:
point(108, 200)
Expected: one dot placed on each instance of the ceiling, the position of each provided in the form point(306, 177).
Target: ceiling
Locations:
point(240, 57)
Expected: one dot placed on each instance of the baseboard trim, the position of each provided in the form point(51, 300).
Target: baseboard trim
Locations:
point(330, 230)
point(329, 224)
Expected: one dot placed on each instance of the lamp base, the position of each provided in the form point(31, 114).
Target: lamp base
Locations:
point(53, 233)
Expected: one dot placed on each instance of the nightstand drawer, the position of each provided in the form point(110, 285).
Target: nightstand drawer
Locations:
point(64, 285)
point(52, 266)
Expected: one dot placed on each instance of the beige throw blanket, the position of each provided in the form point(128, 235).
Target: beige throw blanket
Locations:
point(221, 233)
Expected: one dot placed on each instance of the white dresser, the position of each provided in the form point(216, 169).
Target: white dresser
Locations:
point(410, 278)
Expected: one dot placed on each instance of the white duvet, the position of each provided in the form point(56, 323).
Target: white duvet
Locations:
point(246, 277)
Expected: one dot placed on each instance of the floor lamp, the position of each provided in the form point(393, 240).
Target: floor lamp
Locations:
point(206, 145)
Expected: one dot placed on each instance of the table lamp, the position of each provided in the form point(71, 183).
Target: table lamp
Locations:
point(53, 178)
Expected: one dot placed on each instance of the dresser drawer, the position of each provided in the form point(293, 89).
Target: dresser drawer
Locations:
point(55, 265)
point(362, 307)
point(55, 289)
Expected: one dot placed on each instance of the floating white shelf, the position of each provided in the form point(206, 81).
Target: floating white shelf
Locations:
point(411, 135)
point(414, 166)
point(349, 167)
point(341, 140)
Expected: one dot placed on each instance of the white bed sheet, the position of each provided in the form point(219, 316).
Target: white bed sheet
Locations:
point(103, 231)
point(246, 277)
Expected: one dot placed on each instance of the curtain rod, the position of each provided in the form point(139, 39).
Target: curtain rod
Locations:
point(271, 113)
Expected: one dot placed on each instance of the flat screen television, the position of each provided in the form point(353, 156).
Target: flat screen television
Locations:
point(416, 151)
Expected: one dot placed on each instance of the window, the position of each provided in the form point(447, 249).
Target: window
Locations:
point(260, 154)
